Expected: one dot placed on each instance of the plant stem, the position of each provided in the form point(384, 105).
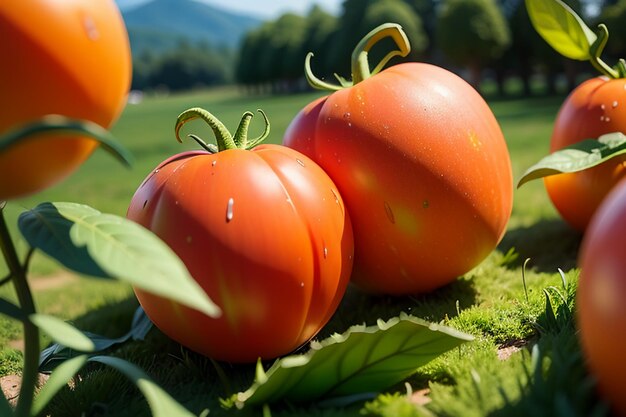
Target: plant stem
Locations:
point(31, 332)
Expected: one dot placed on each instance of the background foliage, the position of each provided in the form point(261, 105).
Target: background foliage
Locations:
point(498, 43)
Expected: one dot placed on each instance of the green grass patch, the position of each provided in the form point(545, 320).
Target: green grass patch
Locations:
point(523, 362)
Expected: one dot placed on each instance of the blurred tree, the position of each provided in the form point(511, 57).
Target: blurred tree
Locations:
point(143, 66)
point(472, 33)
point(427, 12)
point(251, 57)
point(614, 17)
point(320, 31)
point(190, 66)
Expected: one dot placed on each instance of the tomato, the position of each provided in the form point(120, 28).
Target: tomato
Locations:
point(68, 57)
point(601, 310)
point(424, 171)
point(595, 107)
point(266, 235)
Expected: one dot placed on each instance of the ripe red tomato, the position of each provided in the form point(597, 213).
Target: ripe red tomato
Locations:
point(423, 168)
point(67, 57)
point(601, 293)
point(594, 108)
point(266, 235)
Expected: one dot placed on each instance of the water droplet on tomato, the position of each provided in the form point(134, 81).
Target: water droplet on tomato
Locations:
point(299, 162)
point(389, 213)
point(607, 119)
point(335, 195)
point(188, 239)
point(156, 171)
point(229, 209)
point(346, 115)
point(214, 163)
point(602, 107)
point(614, 104)
point(302, 285)
point(325, 252)
point(425, 204)
point(90, 28)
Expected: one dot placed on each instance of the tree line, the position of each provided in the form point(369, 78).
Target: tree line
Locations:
point(470, 36)
point(464, 35)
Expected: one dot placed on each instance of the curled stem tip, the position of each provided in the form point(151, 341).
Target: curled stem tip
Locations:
point(266, 132)
point(595, 50)
point(360, 64)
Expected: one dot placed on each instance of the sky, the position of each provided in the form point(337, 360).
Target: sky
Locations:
point(274, 8)
point(267, 9)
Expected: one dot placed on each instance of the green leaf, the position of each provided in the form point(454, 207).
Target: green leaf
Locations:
point(62, 332)
point(58, 379)
point(577, 157)
point(561, 28)
point(9, 309)
point(363, 359)
point(109, 246)
point(55, 354)
point(161, 404)
point(54, 125)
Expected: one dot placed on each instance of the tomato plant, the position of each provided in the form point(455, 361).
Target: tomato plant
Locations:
point(593, 109)
point(601, 293)
point(39, 77)
point(421, 163)
point(263, 230)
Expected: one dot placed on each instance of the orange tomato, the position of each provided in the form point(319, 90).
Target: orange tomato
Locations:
point(601, 310)
point(594, 108)
point(68, 57)
point(266, 235)
point(423, 168)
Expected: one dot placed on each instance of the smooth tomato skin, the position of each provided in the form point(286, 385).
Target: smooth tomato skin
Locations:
point(601, 310)
point(276, 259)
point(595, 107)
point(424, 171)
point(61, 57)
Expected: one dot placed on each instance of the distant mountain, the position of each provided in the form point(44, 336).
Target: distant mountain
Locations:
point(160, 24)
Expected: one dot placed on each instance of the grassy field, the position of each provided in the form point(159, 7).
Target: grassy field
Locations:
point(523, 361)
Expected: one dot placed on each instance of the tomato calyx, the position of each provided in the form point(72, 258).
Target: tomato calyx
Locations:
point(223, 137)
point(360, 63)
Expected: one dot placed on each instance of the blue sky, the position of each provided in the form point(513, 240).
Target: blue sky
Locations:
point(261, 8)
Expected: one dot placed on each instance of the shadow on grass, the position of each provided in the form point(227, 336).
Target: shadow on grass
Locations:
point(358, 307)
point(550, 244)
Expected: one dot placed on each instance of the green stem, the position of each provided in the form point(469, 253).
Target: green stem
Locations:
point(621, 68)
point(360, 62)
point(31, 332)
point(223, 137)
point(595, 50)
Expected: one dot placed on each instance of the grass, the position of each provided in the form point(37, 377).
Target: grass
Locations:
point(544, 375)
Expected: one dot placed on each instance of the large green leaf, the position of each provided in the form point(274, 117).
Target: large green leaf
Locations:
point(561, 28)
point(53, 125)
point(58, 379)
point(363, 359)
point(109, 246)
point(161, 404)
point(5, 408)
point(56, 354)
point(577, 157)
point(62, 332)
